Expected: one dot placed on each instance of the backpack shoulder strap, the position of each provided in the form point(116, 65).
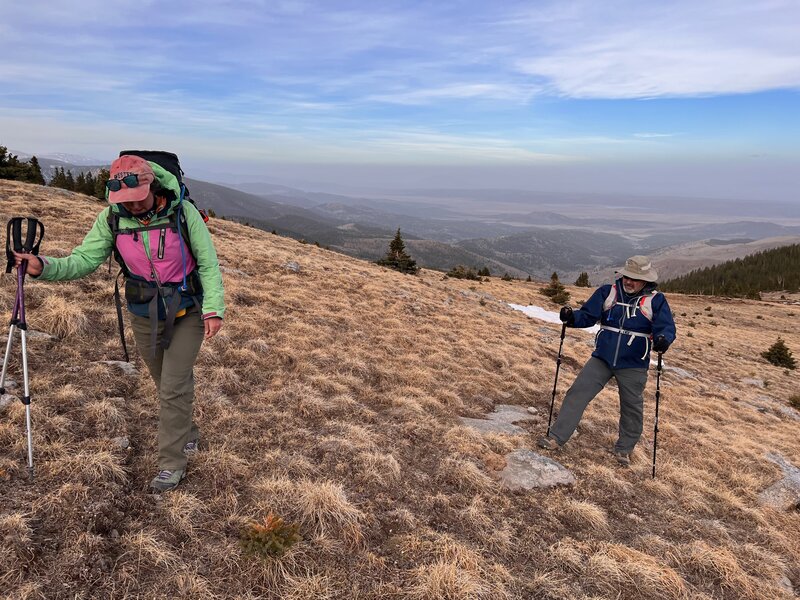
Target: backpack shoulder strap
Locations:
point(611, 299)
point(646, 304)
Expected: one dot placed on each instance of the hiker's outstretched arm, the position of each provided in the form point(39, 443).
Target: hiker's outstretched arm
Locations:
point(592, 310)
point(94, 249)
point(207, 263)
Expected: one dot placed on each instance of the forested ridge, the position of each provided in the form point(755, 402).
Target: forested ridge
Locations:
point(767, 271)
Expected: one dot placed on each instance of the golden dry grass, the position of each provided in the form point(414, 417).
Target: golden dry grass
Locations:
point(331, 397)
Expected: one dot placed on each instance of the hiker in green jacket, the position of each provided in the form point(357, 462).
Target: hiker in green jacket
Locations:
point(173, 290)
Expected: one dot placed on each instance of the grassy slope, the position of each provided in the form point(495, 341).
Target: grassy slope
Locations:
point(331, 397)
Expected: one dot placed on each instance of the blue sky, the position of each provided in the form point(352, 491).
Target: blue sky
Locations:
point(683, 97)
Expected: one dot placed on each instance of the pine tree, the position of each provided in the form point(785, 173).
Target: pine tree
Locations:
point(36, 172)
point(780, 355)
point(100, 183)
point(69, 183)
point(80, 182)
point(583, 280)
point(555, 290)
point(397, 258)
point(59, 179)
point(89, 183)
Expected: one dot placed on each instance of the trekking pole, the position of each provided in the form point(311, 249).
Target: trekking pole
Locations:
point(558, 368)
point(33, 237)
point(655, 427)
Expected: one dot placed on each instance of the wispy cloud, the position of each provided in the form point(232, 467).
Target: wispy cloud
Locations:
point(649, 135)
point(397, 81)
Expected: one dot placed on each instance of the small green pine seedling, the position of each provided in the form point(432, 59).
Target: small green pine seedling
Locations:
point(759, 316)
point(794, 401)
point(683, 314)
point(707, 308)
point(482, 302)
point(689, 334)
point(272, 537)
point(711, 344)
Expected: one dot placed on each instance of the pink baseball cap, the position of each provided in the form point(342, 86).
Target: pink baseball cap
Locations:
point(131, 165)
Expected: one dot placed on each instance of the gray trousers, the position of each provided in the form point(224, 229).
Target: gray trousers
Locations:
point(172, 371)
point(593, 378)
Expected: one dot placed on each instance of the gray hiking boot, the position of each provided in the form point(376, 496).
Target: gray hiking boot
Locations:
point(548, 443)
point(191, 447)
point(167, 479)
point(623, 458)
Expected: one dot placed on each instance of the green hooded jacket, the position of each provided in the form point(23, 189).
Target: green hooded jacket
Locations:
point(97, 246)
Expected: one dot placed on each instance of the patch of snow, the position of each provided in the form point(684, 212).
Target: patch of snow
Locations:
point(537, 312)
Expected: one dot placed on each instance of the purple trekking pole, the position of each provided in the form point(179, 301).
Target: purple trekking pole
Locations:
point(15, 243)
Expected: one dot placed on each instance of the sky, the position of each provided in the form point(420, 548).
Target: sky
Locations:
point(694, 98)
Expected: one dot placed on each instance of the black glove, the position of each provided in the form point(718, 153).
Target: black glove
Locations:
point(567, 316)
point(660, 344)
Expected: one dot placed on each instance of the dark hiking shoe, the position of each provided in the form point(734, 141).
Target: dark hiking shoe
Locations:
point(191, 447)
point(167, 479)
point(623, 459)
point(548, 443)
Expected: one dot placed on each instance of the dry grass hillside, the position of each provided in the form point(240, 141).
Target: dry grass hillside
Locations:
point(331, 398)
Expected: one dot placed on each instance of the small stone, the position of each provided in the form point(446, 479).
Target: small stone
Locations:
point(126, 367)
point(292, 266)
point(10, 384)
point(533, 410)
point(753, 381)
point(7, 400)
point(635, 518)
point(122, 441)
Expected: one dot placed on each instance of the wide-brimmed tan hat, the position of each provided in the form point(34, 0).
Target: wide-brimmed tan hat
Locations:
point(639, 267)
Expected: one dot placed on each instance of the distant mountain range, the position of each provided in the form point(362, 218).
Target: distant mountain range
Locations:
point(510, 231)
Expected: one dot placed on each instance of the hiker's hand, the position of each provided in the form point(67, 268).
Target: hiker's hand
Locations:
point(660, 344)
point(212, 325)
point(567, 316)
point(34, 264)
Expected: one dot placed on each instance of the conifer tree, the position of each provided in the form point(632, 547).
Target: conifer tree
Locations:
point(780, 355)
point(583, 280)
point(80, 182)
point(36, 172)
point(89, 183)
point(397, 258)
point(69, 182)
point(555, 290)
point(100, 183)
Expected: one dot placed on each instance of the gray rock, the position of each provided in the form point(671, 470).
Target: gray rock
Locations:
point(9, 384)
point(126, 367)
point(679, 373)
point(7, 400)
point(122, 441)
point(292, 266)
point(32, 335)
point(533, 410)
point(225, 269)
point(784, 494)
point(753, 381)
point(527, 470)
point(501, 420)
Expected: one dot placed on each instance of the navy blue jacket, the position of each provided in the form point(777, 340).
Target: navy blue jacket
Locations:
point(623, 351)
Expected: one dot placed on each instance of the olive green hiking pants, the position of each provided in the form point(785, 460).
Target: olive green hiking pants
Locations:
point(173, 373)
point(593, 378)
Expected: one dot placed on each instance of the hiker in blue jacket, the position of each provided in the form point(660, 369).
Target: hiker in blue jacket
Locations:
point(634, 319)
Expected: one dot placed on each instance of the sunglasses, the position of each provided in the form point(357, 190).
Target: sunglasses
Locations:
point(115, 185)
